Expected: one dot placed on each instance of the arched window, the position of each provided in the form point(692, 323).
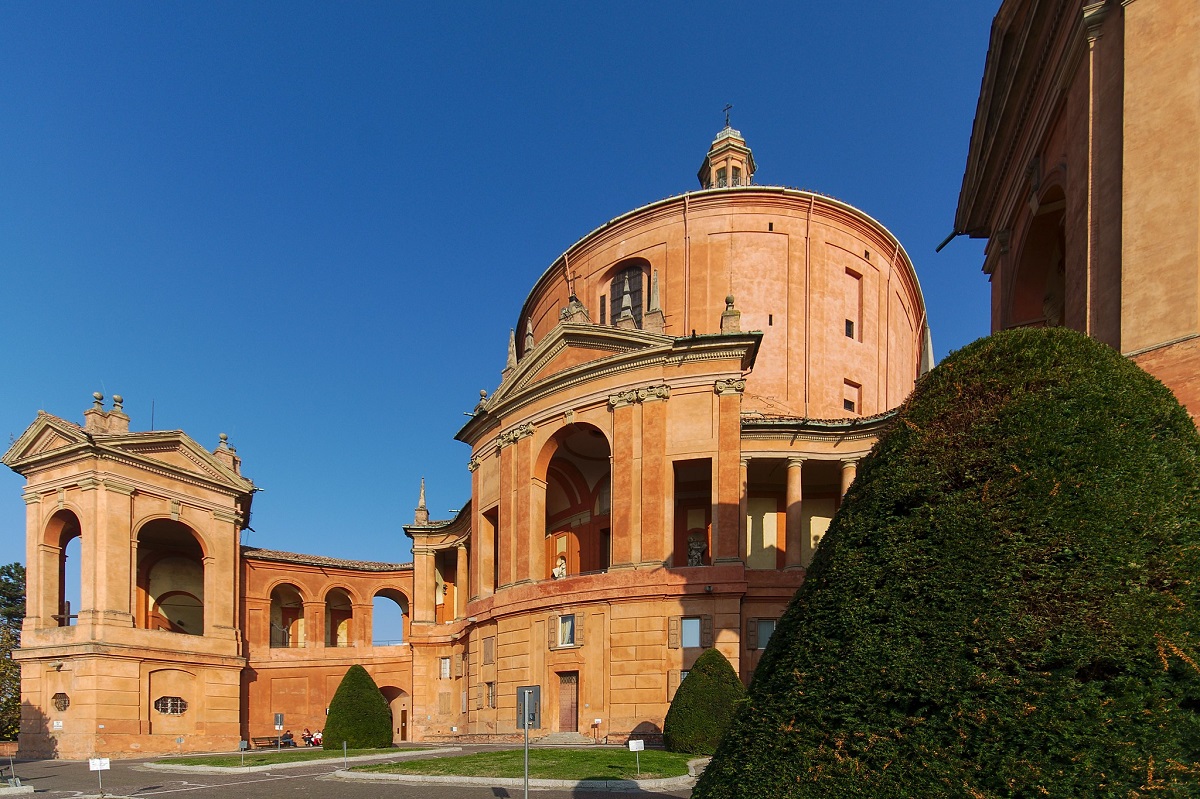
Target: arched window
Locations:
point(625, 294)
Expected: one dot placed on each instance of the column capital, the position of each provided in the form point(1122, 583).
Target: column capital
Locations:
point(727, 387)
point(796, 460)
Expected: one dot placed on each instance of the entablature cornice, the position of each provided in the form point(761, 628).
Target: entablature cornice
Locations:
point(95, 480)
point(1027, 71)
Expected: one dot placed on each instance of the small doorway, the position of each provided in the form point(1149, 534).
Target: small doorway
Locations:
point(568, 701)
point(397, 701)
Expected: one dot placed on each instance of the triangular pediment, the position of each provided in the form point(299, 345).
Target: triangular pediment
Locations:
point(571, 346)
point(50, 438)
point(47, 435)
point(177, 450)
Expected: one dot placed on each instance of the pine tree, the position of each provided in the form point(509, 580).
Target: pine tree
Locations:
point(12, 612)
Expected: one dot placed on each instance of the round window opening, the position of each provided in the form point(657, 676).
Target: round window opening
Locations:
point(61, 702)
point(170, 705)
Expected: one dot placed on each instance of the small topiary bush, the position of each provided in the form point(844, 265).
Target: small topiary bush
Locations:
point(1007, 603)
point(703, 706)
point(358, 714)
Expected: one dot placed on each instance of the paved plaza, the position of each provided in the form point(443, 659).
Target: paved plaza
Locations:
point(55, 779)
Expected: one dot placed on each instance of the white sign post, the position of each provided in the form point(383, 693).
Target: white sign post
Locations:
point(636, 747)
point(99, 765)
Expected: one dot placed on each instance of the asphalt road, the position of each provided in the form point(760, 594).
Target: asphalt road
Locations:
point(63, 779)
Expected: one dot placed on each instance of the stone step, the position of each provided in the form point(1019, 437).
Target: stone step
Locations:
point(565, 739)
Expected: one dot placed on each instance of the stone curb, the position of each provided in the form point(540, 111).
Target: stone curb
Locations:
point(179, 768)
point(666, 783)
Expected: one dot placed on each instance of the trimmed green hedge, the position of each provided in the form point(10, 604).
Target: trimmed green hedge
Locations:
point(358, 714)
point(703, 706)
point(1007, 604)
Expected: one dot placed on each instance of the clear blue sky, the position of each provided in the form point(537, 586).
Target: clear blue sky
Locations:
point(311, 226)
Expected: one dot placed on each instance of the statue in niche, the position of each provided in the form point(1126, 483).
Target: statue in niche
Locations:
point(696, 549)
point(560, 568)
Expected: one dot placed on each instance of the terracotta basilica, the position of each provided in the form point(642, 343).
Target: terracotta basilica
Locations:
point(685, 399)
point(682, 409)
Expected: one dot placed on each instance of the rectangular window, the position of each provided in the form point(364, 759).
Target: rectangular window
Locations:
point(604, 309)
point(444, 664)
point(851, 396)
point(690, 632)
point(489, 650)
point(766, 627)
point(737, 176)
point(566, 630)
point(491, 694)
point(722, 181)
point(464, 702)
point(853, 299)
point(683, 675)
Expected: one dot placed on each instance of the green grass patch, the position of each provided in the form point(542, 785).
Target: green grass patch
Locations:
point(546, 764)
point(267, 757)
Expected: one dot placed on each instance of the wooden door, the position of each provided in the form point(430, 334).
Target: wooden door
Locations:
point(568, 701)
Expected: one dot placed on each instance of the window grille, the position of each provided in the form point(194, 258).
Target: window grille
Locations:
point(171, 705)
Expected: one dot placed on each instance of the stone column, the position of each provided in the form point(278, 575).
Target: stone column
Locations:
point(314, 623)
point(537, 530)
point(505, 552)
point(728, 494)
point(423, 585)
point(849, 472)
point(654, 481)
point(622, 481)
point(795, 514)
point(744, 510)
point(528, 533)
point(461, 581)
point(363, 622)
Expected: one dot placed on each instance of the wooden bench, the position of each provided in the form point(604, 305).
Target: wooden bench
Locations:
point(265, 742)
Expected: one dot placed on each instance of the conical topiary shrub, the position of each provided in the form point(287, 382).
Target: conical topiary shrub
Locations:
point(1007, 603)
point(358, 714)
point(703, 706)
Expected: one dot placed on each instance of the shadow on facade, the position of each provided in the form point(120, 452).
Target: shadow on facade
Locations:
point(36, 740)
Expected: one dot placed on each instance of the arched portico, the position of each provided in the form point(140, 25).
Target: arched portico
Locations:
point(170, 578)
point(573, 476)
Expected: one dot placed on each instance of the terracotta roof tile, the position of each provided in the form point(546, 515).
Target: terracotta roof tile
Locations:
point(275, 556)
